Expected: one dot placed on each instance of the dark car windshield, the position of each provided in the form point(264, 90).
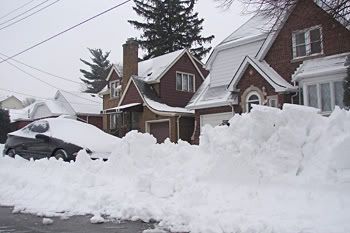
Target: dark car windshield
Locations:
point(38, 127)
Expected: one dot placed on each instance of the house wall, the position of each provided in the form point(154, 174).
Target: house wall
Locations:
point(11, 103)
point(305, 15)
point(132, 95)
point(252, 78)
point(199, 112)
point(93, 120)
point(168, 92)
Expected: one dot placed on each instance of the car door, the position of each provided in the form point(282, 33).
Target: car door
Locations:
point(39, 148)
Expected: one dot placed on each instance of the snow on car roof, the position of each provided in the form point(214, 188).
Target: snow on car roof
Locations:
point(76, 132)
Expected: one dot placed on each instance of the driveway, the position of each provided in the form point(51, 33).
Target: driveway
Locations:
point(27, 223)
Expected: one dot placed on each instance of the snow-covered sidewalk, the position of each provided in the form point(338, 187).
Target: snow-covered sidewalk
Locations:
point(283, 171)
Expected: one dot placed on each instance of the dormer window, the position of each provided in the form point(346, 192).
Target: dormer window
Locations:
point(115, 89)
point(307, 42)
point(185, 82)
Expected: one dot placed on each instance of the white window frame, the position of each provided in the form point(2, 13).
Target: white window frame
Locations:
point(247, 99)
point(307, 42)
point(111, 124)
point(188, 84)
point(272, 98)
point(318, 83)
point(116, 93)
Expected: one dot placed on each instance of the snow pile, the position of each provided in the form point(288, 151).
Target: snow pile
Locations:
point(284, 171)
point(47, 221)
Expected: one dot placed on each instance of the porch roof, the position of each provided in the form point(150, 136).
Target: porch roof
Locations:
point(120, 108)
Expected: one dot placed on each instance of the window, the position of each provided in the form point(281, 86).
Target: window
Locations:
point(115, 88)
point(307, 42)
point(37, 127)
point(272, 101)
point(113, 121)
point(184, 82)
point(325, 95)
point(252, 98)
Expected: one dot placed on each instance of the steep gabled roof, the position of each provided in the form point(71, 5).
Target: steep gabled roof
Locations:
point(151, 100)
point(82, 103)
point(116, 68)
point(152, 70)
point(266, 71)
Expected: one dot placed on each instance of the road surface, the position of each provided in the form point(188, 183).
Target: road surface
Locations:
point(27, 223)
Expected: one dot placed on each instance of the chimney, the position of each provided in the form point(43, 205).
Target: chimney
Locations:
point(130, 60)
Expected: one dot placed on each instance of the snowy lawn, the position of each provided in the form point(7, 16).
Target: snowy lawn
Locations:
point(271, 171)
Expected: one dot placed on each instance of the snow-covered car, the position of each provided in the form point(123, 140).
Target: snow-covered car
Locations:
point(60, 138)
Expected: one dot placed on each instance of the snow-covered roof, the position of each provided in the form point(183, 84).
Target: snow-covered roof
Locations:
point(152, 101)
point(211, 96)
point(258, 25)
point(117, 68)
point(82, 103)
point(152, 69)
point(329, 65)
point(266, 71)
point(21, 114)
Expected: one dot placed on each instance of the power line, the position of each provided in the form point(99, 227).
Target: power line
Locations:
point(42, 98)
point(49, 84)
point(21, 19)
point(14, 10)
point(6, 21)
point(42, 71)
point(64, 31)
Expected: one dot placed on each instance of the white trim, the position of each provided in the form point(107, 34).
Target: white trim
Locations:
point(116, 87)
point(307, 43)
point(318, 82)
point(182, 77)
point(111, 71)
point(247, 101)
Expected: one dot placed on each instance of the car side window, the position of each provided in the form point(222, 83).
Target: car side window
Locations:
point(39, 127)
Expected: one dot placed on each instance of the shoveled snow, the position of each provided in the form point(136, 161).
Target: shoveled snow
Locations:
point(47, 221)
point(285, 171)
point(96, 219)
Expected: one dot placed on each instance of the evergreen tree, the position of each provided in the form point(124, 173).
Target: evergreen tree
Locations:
point(4, 125)
point(95, 79)
point(170, 25)
point(347, 90)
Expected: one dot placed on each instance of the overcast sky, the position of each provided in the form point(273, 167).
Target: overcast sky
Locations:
point(61, 55)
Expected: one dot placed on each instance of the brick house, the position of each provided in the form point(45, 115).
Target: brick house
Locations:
point(151, 95)
point(301, 58)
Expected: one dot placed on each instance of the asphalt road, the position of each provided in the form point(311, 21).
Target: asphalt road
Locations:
point(27, 223)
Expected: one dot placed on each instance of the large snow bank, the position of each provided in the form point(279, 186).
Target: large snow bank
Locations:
point(270, 171)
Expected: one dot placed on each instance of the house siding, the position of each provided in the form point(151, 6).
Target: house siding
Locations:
point(92, 120)
point(336, 38)
point(132, 95)
point(168, 92)
point(228, 60)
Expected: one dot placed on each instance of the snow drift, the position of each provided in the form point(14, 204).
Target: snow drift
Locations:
point(282, 171)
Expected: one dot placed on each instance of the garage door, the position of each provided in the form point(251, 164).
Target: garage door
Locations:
point(215, 119)
point(160, 130)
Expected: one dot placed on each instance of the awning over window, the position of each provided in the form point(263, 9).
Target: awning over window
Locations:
point(133, 107)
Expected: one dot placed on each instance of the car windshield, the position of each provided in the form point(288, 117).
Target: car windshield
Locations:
point(37, 127)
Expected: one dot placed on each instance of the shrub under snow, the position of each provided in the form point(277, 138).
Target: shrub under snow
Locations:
point(282, 171)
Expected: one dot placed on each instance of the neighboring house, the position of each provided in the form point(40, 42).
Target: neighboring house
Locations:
point(152, 94)
point(300, 59)
point(10, 102)
point(83, 106)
